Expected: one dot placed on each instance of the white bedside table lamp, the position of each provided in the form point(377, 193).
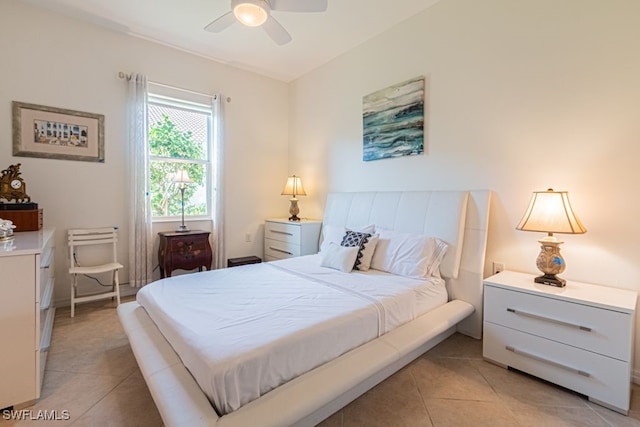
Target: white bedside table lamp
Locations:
point(550, 212)
point(294, 188)
point(182, 179)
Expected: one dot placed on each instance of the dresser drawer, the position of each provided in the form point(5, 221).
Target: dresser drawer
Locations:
point(282, 232)
point(280, 250)
point(602, 378)
point(591, 328)
point(46, 269)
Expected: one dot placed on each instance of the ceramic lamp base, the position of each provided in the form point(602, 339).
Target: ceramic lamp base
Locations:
point(550, 262)
point(294, 210)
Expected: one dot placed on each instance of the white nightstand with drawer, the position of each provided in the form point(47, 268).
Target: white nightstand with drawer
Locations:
point(288, 239)
point(579, 336)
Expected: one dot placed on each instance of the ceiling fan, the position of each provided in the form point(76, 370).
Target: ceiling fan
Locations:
point(255, 13)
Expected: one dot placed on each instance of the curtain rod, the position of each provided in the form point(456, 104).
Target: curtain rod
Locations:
point(124, 76)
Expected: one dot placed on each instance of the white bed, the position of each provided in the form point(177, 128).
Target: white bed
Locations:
point(458, 218)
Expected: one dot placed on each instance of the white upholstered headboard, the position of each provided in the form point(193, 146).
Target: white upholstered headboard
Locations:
point(459, 218)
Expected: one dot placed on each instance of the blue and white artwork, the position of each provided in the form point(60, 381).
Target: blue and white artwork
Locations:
point(393, 121)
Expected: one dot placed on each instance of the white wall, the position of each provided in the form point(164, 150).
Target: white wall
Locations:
point(521, 96)
point(53, 60)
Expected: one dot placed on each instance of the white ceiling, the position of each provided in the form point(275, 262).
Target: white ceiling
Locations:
point(317, 37)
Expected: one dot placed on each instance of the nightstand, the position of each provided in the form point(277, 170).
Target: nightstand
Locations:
point(186, 251)
point(579, 336)
point(288, 239)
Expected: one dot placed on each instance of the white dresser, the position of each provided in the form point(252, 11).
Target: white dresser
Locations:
point(26, 314)
point(287, 239)
point(579, 336)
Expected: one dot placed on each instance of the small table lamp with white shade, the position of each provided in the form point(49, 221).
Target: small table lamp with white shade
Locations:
point(294, 188)
point(550, 212)
point(182, 179)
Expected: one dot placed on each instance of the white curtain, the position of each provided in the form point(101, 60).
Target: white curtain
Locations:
point(217, 212)
point(140, 237)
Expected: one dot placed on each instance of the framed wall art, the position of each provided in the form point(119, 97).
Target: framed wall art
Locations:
point(56, 133)
point(393, 121)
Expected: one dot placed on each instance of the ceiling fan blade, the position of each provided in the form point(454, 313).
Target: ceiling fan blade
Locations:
point(299, 5)
point(221, 23)
point(276, 31)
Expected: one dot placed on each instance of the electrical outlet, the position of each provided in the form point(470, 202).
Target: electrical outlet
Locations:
point(247, 237)
point(498, 267)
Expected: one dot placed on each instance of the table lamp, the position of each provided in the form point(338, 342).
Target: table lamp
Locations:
point(294, 188)
point(182, 179)
point(550, 212)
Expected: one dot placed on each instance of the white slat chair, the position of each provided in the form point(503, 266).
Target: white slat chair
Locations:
point(84, 237)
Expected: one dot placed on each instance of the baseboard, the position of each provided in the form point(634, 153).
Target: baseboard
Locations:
point(635, 377)
point(125, 291)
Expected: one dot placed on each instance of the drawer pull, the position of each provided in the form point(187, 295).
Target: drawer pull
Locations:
point(280, 250)
point(548, 319)
point(282, 232)
point(550, 362)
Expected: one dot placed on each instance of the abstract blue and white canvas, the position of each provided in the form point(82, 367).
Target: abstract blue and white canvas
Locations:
point(393, 121)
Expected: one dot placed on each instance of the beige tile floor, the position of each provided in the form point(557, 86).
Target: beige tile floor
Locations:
point(91, 372)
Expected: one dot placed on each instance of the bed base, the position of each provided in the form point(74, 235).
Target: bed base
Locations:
point(312, 397)
point(304, 401)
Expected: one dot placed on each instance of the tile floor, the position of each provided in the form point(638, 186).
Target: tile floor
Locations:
point(92, 373)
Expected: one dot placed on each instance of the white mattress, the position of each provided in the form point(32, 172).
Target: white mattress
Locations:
point(246, 330)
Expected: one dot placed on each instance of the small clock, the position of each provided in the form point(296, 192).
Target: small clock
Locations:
point(12, 186)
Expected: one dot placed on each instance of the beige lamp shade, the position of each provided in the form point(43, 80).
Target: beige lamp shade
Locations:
point(550, 212)
point(182, 177)
point(293, 187)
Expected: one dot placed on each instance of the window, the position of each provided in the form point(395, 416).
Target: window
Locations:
point(180, 139)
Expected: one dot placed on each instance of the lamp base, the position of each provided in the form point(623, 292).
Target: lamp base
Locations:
point(294, 210)
point(550, 262)
point(551, 279)
point(182, 229)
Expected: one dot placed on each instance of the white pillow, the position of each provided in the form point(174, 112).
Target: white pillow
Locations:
point(366, 244)
point(410, 255)
point(339, 257)
point(335, 233)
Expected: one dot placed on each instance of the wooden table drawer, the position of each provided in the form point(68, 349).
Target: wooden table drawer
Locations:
point(599, 330)
point(282, 232)
point(184, 250)
point(188, 246)
point(280, 250)
point(589, 373)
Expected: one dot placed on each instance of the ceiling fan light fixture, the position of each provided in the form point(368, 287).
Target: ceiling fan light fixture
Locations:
point(251, 13)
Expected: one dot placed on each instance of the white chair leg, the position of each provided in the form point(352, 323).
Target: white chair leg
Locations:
point(73, 295)
point(116, 283)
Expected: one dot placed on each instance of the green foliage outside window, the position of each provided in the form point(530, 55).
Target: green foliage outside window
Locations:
point(165, 140)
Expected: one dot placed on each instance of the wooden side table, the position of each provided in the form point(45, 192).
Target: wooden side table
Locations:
point(186, 251)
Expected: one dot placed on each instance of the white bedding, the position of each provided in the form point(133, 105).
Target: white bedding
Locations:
point(244, 331)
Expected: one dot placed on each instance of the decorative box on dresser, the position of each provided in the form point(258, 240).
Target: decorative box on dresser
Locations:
point(288, 239)
point(26, 314)
point(579, 336)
